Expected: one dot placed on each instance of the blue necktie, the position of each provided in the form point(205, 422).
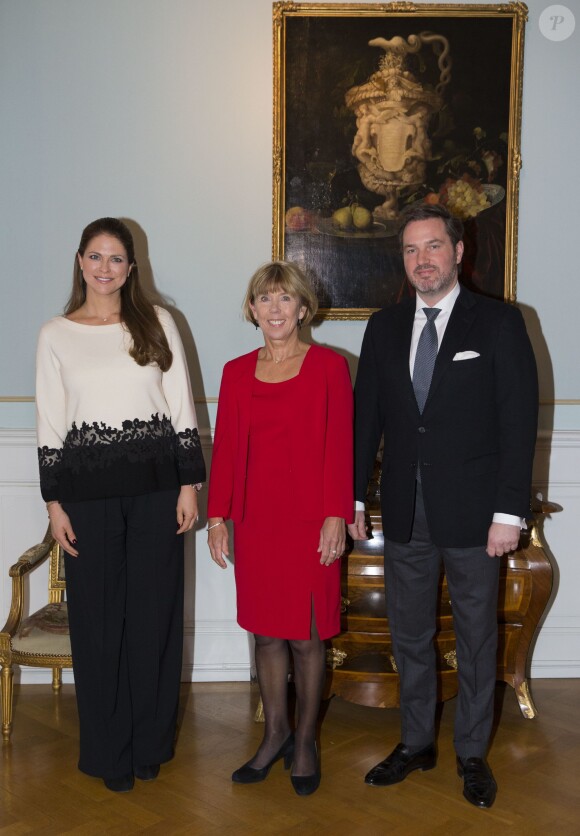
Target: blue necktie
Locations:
point(425, 357)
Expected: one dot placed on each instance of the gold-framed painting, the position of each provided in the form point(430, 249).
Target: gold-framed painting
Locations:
point(380, 105)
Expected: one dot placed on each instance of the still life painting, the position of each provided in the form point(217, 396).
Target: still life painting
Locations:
point(377, 107)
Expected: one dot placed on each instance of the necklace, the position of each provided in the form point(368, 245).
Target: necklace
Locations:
point(294, 352)
point(278, 360)
point(105, 318)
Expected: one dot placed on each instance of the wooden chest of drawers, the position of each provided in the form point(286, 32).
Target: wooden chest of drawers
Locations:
point(361, 660)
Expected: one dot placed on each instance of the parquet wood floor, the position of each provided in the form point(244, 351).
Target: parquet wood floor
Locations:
point(536, 763)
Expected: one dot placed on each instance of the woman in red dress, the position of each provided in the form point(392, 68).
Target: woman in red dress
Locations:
point(282, 472)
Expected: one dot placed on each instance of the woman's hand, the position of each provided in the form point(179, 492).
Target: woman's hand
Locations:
point(332, 540)
point(217, 540)
point(61, 528)
point(186, 508)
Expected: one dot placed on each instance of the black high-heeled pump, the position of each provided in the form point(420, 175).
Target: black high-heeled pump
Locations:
point(307, 784)
point(250, 775)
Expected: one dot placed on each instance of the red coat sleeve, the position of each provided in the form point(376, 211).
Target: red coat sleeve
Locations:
point(338, 453)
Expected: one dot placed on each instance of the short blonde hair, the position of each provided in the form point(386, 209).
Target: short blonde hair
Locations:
point(285, 276)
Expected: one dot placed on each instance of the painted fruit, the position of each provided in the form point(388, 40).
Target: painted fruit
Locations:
point(361, 217)
point(342, 218)
point(298, 218)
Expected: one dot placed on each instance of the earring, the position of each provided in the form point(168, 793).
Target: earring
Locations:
point(256, 326)
point(300, 322)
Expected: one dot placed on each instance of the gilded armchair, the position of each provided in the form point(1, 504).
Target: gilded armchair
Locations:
point(42, 638)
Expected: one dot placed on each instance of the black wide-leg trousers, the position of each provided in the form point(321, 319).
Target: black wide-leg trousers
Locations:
point(125, 603)
point(412, 572)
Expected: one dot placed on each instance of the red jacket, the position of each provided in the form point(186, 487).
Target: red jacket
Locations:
point(321, 441)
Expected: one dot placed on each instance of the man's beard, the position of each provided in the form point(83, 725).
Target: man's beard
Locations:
point(436, 284)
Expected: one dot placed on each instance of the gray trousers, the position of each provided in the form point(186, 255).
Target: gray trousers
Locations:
point(412, 573)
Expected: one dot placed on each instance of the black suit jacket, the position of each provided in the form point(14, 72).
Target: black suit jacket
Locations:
point(476, 437)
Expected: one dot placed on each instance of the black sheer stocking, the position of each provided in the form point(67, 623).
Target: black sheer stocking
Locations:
point(272, 667)
point(309, 678)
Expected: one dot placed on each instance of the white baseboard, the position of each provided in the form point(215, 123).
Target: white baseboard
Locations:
point(189, 673)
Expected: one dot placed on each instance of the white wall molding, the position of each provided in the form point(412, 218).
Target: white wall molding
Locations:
point(558, 439)
point(12, 438)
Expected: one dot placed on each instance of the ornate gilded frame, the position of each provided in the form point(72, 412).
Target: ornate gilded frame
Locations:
point(320, 49)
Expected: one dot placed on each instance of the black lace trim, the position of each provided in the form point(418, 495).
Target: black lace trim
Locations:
point(188, 447)
point(50, 463)
point(97, 446)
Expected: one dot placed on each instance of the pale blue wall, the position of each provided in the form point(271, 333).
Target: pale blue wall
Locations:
point(161, 112)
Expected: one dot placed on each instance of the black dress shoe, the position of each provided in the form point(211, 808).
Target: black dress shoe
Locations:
point(123, 784)
point(479, 785)
point(247, 774)
point(307, 784)
point(147, 773)
point(400, 762)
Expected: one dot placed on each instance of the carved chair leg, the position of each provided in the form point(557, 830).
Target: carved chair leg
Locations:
point(525, 700)
point(259, 715)
point(56, 679)
point(6, 678)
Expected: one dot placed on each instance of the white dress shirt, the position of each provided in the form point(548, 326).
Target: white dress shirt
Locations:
point(445, 307)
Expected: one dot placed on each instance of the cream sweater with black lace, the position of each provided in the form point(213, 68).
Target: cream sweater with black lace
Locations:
point(106, 426)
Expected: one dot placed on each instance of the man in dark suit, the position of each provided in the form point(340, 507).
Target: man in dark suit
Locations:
point(449, 379)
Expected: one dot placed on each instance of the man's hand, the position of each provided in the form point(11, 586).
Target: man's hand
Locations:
point(357, 529)
point(502, 539)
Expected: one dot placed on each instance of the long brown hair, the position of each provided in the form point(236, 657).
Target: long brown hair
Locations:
point(137, 312)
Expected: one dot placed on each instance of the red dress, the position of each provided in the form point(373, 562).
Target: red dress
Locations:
point(277, 566)
point(282, 462)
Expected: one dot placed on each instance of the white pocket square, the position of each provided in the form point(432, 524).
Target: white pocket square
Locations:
point(466, 355)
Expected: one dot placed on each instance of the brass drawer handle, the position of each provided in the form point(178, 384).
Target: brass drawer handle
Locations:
point(335, 657)
point(451, 659)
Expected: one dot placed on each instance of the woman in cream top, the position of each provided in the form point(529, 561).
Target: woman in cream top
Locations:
point(120, 461)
